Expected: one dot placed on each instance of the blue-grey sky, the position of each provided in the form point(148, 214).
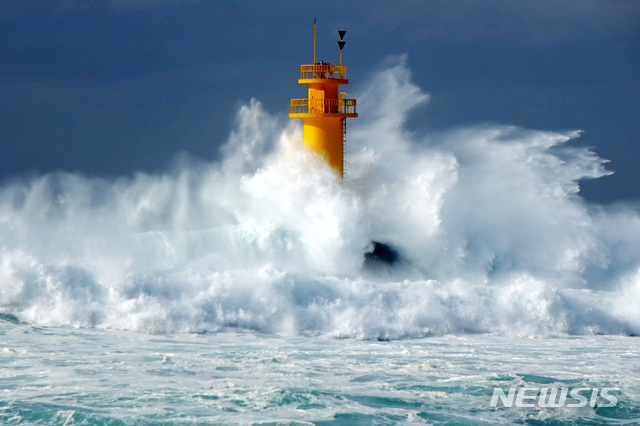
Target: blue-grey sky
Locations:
point(111, 87)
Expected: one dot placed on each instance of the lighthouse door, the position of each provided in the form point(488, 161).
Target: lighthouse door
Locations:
point(316, 101)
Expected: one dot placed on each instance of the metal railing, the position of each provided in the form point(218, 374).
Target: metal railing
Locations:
point(323, 106)
point(323, 71)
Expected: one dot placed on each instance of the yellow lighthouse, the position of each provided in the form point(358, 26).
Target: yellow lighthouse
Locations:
point(325, 110)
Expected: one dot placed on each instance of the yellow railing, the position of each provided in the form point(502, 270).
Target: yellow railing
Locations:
point(323, 71)
point(323, 106)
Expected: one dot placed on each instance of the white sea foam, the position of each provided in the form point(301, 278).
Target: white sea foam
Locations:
point(493, 234)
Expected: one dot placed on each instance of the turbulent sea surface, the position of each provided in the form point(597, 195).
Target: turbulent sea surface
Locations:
point(237, 291)
point(66, 375)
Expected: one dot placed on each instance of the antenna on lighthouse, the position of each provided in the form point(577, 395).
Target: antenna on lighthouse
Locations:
point(314, 41)
point(341, 43)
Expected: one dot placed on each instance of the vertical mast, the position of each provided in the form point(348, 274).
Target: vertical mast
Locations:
point(341, 43)
point(314, 40)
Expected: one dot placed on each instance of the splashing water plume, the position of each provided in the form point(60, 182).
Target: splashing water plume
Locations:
point(488, 221)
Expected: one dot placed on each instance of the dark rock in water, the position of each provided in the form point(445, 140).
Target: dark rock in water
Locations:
point(381, 255)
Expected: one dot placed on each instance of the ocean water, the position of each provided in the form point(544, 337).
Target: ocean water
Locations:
point(237, 291)
point(66, 375)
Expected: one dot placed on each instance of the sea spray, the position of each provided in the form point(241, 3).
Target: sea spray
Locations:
point(488, 221)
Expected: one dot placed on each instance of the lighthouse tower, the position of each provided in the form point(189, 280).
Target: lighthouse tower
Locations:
point(325, 110)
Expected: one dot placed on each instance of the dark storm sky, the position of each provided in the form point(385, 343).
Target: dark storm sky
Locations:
point(108, 88)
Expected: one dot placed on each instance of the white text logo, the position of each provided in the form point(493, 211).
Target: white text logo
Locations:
point(528, 397)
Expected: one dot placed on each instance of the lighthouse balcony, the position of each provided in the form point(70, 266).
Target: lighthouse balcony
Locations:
point(322, 70)
point(339, 107)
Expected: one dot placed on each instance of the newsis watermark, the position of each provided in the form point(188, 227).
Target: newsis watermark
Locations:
point(553, 397)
